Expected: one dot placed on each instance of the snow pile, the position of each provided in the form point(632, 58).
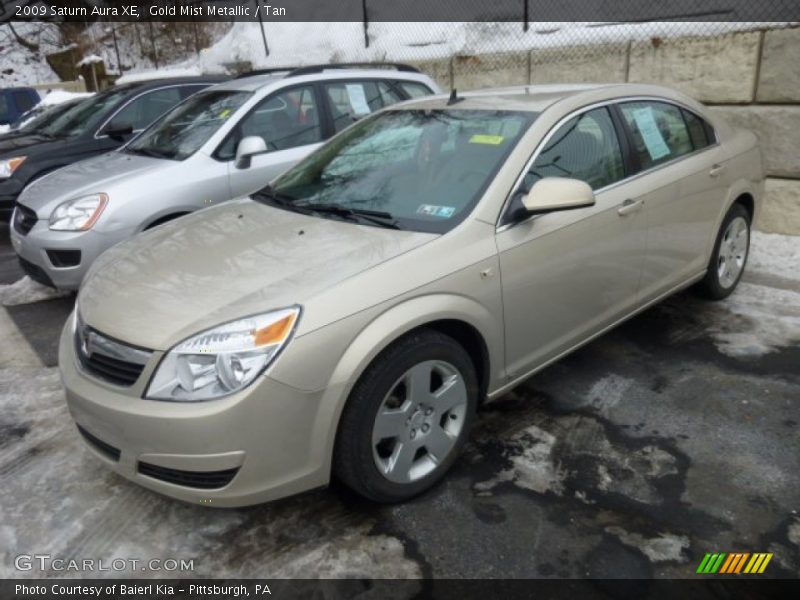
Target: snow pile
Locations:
point(292, 44)
point(60, 96)
point(25, 291)
point(4, 128)
point(89, 60)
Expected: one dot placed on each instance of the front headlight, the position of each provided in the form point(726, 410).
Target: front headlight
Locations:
point(224, 359)
point(78, 214)
point(7, 167)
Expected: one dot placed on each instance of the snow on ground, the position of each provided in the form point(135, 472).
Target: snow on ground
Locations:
point(775, 254)
point(762, 317)
point(4, 128)
point(25, 291)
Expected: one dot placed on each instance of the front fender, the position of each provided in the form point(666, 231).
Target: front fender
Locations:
point(376, 333)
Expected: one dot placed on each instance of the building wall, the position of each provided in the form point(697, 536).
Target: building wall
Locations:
point(751, 78)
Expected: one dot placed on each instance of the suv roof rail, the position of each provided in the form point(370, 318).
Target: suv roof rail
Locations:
point(265, 72)
point(309, 69)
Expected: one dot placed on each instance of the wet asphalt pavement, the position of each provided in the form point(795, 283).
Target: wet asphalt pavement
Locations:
point(675, 435)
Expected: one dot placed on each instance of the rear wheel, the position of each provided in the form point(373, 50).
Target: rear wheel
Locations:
point(407, 418)
point(730, 255)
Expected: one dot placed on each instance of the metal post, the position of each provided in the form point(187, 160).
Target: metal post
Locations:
point(263, 35)
point(525, 15)
point(364, 19)
point(153, 43)
point(116, 48)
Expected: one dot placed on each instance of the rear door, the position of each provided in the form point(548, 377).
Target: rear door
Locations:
point(347, 101)
point(568, 274)
point(683, 170)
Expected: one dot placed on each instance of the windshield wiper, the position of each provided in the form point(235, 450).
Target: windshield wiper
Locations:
point(377, 217)
point(267, 195)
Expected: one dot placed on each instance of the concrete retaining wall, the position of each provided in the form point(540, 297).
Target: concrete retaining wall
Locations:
point(751, 78)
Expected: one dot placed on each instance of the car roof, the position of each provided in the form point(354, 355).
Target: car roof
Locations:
point(255, 82)
point(537, 98)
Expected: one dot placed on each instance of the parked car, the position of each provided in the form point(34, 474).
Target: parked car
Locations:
point(348, 319)
point(37, 118)
point(101, 123)
point(224, 142)
point(15, 101)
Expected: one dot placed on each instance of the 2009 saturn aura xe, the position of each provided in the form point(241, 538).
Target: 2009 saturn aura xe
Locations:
point(346, 320)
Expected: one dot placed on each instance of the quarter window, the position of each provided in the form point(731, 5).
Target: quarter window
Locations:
point(23, 100)
point(698, 130)
point(415, 90)
point(659, 132)
point(585, 147)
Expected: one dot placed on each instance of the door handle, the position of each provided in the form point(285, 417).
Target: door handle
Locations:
point(716, 170)
point(629, 206)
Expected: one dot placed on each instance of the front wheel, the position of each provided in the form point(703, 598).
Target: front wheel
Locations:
point(730, 255)
point(407, 418)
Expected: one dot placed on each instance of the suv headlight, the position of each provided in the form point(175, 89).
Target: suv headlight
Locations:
point(222, 360)
point(78, 214)
point(7, 167)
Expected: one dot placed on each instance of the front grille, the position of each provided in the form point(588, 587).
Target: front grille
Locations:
point(24, 219)
point(104, 449)
point(64, 258)
point(35, 272)
point(109, 359)
point(206, 480)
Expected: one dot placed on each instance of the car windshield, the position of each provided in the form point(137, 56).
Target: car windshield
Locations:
point(422, 170)
point(40, 116)
point(182, 131)
point(85, 115)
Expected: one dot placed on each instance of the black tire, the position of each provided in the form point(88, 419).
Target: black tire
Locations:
point(353, 460)
point(711, 287)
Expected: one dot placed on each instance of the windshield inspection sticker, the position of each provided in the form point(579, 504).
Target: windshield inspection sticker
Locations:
point(445, 212)
point(225, 113)
point(482, 138)
point(646, 122)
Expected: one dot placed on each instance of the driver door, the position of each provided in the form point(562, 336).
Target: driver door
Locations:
point(568, 274)
point(289, 123)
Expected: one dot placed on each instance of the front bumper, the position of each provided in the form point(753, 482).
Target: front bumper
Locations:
point(266, 436)
point(33, 248)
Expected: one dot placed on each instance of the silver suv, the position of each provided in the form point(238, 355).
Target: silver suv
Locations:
point(222, 143)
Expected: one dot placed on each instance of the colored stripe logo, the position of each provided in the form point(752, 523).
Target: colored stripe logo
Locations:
point(734, 563)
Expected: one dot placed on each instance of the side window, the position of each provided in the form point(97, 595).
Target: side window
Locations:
point(698, 130)
point(146, 108)
point(284, 120)
point(23, 100)
point(351, 100)
point(585, 147)
point(659, 131)
point(389, 93)
point(415, 90)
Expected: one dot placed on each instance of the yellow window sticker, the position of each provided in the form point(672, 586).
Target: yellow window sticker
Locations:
point(482, 138)
point(225, 113)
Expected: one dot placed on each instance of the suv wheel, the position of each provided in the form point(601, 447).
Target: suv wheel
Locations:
point(407, 418)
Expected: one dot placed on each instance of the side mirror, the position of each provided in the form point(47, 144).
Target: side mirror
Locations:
point(118, 132)
point(248, 147)
point(558, 193)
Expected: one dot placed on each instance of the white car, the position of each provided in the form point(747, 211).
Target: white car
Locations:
point(224, 142)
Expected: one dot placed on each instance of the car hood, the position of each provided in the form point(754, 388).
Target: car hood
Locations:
point(223, 263)
point(90, 176)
